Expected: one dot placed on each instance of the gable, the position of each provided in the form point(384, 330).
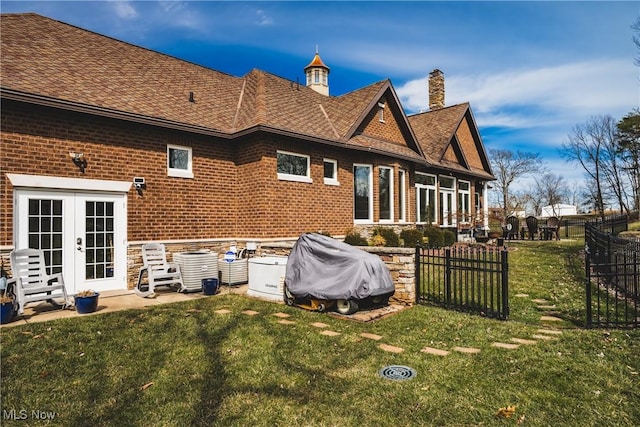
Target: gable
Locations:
point(468, 145)
point(450, 137)
point(381, 122)
point(454, 154)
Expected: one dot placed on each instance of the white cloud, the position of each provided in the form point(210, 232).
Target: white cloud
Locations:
point(535, 97)
point(171, 5)
point(263, 18)
point(125, 10)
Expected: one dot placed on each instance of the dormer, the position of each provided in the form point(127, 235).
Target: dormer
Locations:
point(317, 75)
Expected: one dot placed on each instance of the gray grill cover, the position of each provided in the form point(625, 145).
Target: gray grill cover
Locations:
point(321, 267)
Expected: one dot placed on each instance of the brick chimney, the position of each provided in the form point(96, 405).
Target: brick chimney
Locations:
point(436, 90)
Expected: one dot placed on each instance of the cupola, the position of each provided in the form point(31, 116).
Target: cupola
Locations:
point(317, 75)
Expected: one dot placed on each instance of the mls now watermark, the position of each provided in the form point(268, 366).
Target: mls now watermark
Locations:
point(23, 414)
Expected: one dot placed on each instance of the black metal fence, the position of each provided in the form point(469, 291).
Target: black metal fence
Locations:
point(465, 278)
point(612, 269)
point(574, 228)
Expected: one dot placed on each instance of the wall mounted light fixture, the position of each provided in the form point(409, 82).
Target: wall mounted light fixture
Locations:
point(140, 184)
point(78, 160)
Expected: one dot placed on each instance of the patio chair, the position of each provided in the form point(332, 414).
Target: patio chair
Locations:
point(159, 271)
point(31, 281)
point(513, 227)
point(532, 226)
point(553, 225)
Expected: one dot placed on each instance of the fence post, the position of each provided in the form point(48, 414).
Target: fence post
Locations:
point(417, 275)
point(505, 284)
point(447, 274)
point(588, 287)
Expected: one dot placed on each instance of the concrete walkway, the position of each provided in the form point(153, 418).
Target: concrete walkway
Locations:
point(112, 301)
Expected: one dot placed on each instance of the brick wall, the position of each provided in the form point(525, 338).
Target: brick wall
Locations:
point(235, 191)
point(387, 129)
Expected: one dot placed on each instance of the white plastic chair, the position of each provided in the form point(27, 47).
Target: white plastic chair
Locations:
point(32, 283)
point(159, 271)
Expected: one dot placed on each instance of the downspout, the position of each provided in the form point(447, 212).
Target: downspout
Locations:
point(485, 205)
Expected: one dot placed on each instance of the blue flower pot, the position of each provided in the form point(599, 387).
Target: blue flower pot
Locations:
point(209, 286)
point(86, 304)
point(6, 312)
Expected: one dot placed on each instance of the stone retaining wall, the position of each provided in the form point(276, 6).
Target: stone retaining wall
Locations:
point(400, 261)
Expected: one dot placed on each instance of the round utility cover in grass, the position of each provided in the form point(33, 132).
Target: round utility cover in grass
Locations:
point(397, 373)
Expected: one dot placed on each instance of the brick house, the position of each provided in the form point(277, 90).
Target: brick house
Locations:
point(224, 159)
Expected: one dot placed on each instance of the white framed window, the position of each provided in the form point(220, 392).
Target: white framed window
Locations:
point(385, 193)
point(464, 200)
point(331, 172)
point(402, 195)
point(179, 161)
point(324, 77)
point(447, 201)
point(362, 193)
point(316, 76)
point(293, 167)
point(426, 206)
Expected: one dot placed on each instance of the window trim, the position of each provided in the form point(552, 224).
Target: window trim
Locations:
point(433, 187)
point(368, 220)
point(391, 195)
point(449, 219)
point(334, 180)
point(402, 195)
point(291, 177)
point(464, 217)
point(180, 173)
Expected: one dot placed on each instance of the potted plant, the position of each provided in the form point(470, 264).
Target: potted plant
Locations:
point(86, 301)
point(7, 302)
point(7, 308)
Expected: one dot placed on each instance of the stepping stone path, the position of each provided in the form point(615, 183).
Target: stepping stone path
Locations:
point(467, 350)
point(508, 346)
point(543, 305)
point(435, 351)
point(320, 325)
point(390, 348)
point(541, 334)
point(371, 336)
point(282, 315)
point(523, 341)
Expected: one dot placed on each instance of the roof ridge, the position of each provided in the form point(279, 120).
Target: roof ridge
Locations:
point(448, 107)
point(175, 58)
point(329, 121)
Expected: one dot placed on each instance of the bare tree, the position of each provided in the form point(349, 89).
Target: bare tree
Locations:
point(628, 138)
point(613, 170)
point(636, 39)
point(508, 167)
point(526, 200)
point(585, 146)
point(550, 189)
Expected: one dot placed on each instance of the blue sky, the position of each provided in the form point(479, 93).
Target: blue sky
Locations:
point(531, 70)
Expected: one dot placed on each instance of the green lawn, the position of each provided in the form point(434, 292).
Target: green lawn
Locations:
point(185, 364)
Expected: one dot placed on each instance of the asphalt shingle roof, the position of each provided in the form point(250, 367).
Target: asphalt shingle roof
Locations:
point(49, 59)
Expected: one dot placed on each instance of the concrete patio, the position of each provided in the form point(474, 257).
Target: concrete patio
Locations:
point(113, 300)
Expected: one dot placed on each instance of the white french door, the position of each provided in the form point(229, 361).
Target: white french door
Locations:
point(82, 235)
point(447, 207)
